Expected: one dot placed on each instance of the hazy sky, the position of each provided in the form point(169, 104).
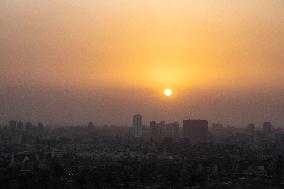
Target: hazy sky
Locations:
point(74, 61)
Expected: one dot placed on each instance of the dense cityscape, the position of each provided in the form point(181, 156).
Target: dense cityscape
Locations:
point(141, 94)
point(190, 155)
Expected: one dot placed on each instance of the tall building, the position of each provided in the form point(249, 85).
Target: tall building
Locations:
point(172, 130)
point(40, 126)
point(161, 129)
point(137, 125)
point(157, 129)
point(154, 133)
point(195, 130)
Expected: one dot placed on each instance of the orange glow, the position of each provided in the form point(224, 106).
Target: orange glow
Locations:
point(146, 44)
point(114, 57)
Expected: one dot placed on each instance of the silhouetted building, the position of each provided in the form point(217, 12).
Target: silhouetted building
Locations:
point(172, 130)
point(91, 125)
point(40, 126)
point(267, 127)
point(20, 125)
point(161, 129)
point(12, 124)
point(195, 130)
point(137, 125)
point(154, 133)
point(251, 127)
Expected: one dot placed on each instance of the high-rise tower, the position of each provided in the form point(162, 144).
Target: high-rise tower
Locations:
point(137, 125)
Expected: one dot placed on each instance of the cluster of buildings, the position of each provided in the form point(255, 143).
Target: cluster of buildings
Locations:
point(162, 130)
point(20, 125)
point(193, 130)
point(198, 131)
point(161, 155)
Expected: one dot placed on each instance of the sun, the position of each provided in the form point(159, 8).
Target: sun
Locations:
point(168, 92)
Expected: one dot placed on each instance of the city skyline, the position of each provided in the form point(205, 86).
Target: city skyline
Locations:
point(144, 94)
point(68, 62)
point(139, 124)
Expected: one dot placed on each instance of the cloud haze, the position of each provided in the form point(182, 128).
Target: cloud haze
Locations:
point(68, 61)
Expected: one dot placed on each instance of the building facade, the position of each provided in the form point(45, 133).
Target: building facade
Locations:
point(195, 130)
point(137, 125)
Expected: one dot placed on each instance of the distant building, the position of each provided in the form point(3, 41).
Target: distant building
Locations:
point(195, 130)
point(157, 130)
point(40, 126)
point(161, 129)
point(28, 125)
point(267, 127)
point(154, 133)
point(137, 125)
point(91, 125)
point(20, 125)
point(172, 130)
point(12, 124)
point(251, 127)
